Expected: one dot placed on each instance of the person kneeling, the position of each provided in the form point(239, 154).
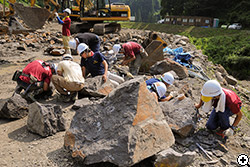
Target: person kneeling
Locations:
point(158, 90)
point(95, 64)
point(69, 79)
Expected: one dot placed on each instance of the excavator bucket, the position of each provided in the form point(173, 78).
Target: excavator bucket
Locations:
point(33, 17)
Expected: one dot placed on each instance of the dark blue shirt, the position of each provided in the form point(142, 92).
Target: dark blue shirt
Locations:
point(94, 64)
point(150, 82)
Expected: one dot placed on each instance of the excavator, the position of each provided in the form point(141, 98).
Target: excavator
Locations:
point(33, 17)
point(93, 13)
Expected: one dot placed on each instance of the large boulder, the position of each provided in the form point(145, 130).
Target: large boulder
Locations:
point(167, 65)
point(45, 119)
point(155, 54)
point(95, 87)
point(171, 158)
point(180, 115)
point(124, 128)
point(15, 107)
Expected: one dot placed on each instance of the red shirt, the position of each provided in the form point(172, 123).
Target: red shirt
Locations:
point(66, 26)
point(131, 49)
point(36, 69)
point(233, 102)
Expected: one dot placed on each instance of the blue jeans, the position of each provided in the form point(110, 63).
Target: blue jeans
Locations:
point(219, 119)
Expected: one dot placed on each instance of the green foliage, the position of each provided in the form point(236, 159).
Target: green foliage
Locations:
point(233, 52)
point(246, 112)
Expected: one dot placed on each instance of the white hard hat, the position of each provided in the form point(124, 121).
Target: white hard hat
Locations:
point(116, 48)
point(67, 10)
point(211, 88)
point(81, 47)
point(67, 57)
point(160, 88)
point(72, 44)
point(168, 78)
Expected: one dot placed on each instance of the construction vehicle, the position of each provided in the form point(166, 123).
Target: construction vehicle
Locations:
point(93, 13)
point(32, 16)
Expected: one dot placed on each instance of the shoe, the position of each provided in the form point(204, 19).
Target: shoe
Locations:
point(64, 98)
point(29, 96)
point(18, 89)
point(73, 96)
point(220, 133)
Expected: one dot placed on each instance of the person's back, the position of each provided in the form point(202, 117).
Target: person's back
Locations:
point(90, 39)
point(149, 82)
point(39, 70)
point(71, 71)
point(131, 48)
point(87, 38)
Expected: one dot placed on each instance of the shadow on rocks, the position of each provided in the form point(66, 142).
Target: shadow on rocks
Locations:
point(63, 158)
point(4, 121)
point(23, 135)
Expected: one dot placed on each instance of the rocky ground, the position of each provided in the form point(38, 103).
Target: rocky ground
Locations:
point(19, 147)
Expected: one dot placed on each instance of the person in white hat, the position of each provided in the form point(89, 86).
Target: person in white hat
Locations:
point(225, 102)
point(168, 79)
point(90, 39)
point(158, 90)
point(66, 22)
point(134, 53)
point(69, 79)
point(95, 64)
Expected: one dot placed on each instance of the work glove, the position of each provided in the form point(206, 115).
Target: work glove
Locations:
point(229, 132)
point(56, 14)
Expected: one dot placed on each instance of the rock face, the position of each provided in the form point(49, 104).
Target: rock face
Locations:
point(45, 119)
point(180, 115)
point(124, 128)
point(79, 103)
point(231, 80)
point(155, 53)
point(95, 87)
point(171, 158)
point(167, 65)
point(15, 107)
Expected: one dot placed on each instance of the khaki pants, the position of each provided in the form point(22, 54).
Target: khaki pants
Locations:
point(135, 65)
point(60, 84)
point(66, 44)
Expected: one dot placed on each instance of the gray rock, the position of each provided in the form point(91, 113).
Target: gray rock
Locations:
point(231, 80)
point(79, 103)
point(180, 115)
point(172, 158)
point(212, 162)
point(95, 87)
point(222, 70)
point(124, 128)
point(22, 47)
point(218, 153)
point(45, 119)
point(15, 107)
point(224, 161)
point(167, 65)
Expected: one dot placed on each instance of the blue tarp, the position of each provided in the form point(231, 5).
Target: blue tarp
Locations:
point(180, 57)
